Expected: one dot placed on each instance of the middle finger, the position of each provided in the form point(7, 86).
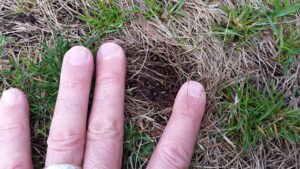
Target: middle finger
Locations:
point(105, 131)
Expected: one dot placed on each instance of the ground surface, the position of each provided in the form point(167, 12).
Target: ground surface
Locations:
point(245, 53)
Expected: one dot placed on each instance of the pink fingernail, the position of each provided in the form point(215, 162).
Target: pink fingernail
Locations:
point(195, 89)
point(78, 55)
point(10, 97)
point(110, 51)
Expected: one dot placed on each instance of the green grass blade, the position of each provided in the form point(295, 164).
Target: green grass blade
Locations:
point(290, 10)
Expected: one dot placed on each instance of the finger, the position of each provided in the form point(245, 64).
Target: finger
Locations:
point(14, 131)
point(176, 145)
point(67, 133)
point(105, 131)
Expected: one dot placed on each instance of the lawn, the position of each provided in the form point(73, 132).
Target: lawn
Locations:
point(246, 54)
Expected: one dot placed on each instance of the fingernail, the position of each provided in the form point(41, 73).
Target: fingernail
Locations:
point(195, 89)
point(110, 51)
point(78, 55)
point(10, 97)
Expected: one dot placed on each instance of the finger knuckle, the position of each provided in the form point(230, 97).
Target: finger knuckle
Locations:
point(72, 84)
point(104, 130)
point(11, 131)
point(175, 155)
point(15, 160)
point(111, 78)
point(65, 139)
point(18, 165)
point(98, 165)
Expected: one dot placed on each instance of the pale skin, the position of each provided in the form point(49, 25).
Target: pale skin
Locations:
point(97, 142)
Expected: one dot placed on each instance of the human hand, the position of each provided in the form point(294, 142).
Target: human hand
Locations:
point(100, 144)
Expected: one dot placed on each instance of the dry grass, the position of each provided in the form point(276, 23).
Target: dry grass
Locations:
point(162, 54)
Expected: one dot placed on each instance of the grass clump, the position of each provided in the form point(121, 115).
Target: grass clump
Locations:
point(37, 73)
point(154, 9)
point(39, 78)
point(138, 147)
point(248, 22)
point(288, 44)
point(279, 8)
point(163, 11)
point(2, 43)
point(106, 17)
point(243, 23)
point(258, 112)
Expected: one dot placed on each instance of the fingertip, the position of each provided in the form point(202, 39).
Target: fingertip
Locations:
point(191, 99)
point(193, 89)
point(110, 50)
point(14, 97)
point(78, 65)
point(79, 55)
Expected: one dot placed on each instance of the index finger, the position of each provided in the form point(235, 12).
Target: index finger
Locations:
point(175, 148)
point(15, 149)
